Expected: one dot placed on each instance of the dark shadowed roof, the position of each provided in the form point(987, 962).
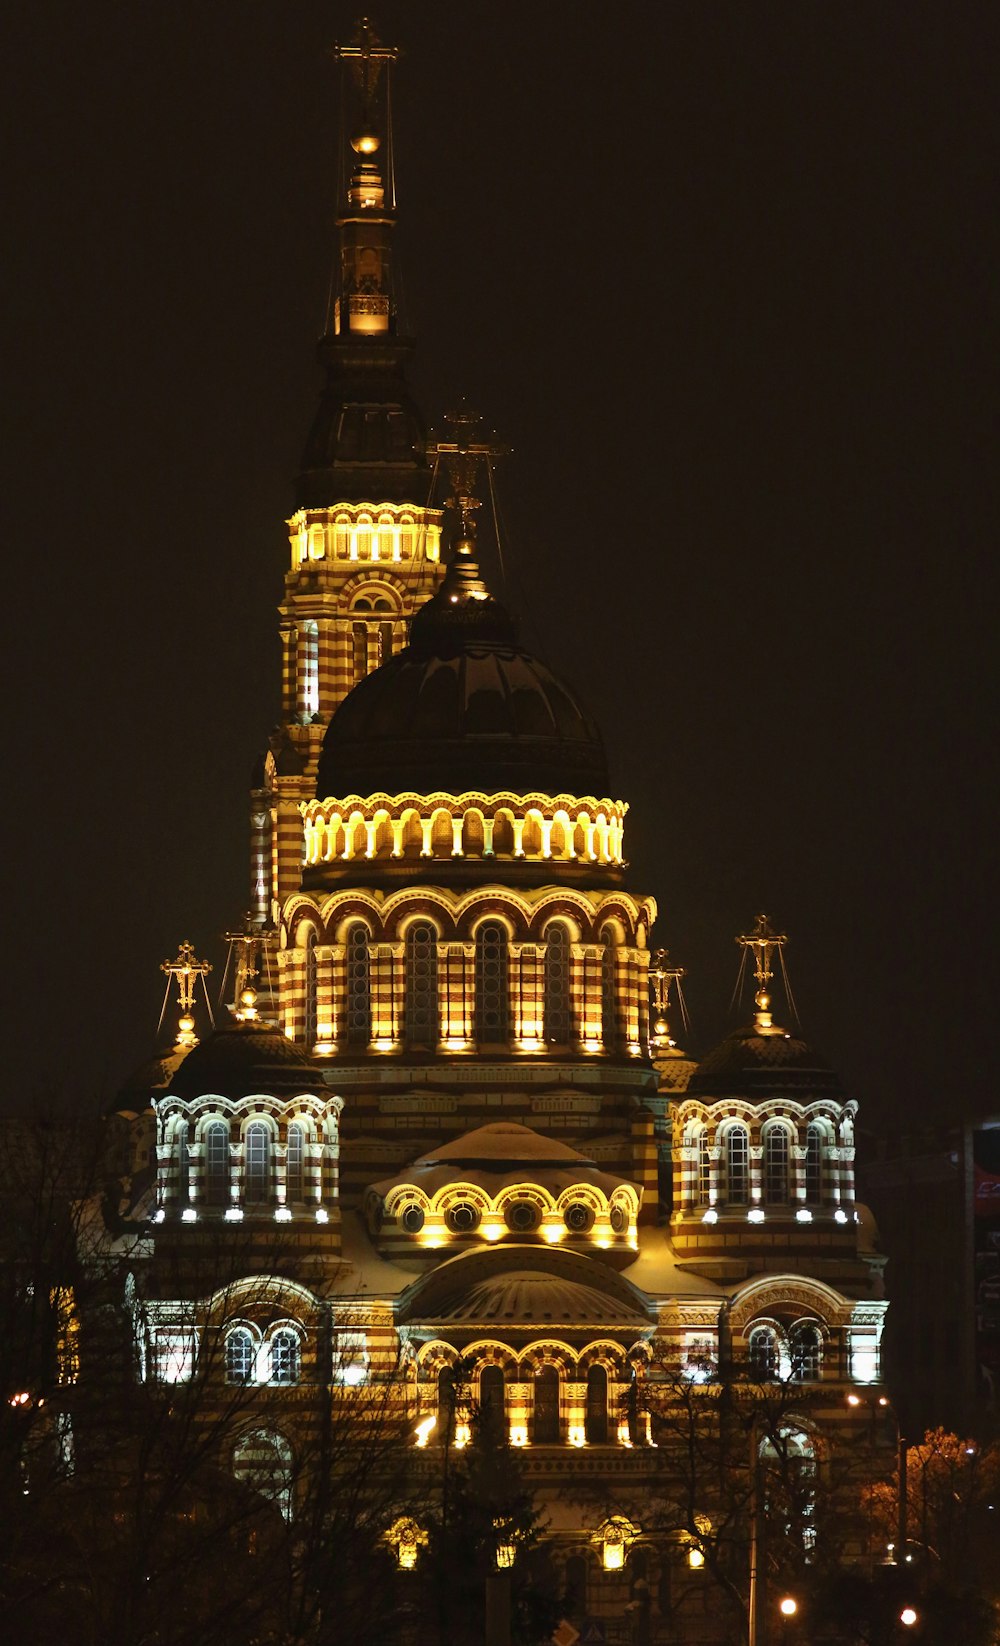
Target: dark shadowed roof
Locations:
point(242, 1060)
point(464, 706)
point(755, 1065)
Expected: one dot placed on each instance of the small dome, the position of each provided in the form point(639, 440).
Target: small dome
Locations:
point(240, 1061)
point(755, 1065)
point(542, 1299)
point(463, 707)
point(503, 1147)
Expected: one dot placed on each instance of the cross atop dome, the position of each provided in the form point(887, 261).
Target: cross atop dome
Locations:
point(762, 943)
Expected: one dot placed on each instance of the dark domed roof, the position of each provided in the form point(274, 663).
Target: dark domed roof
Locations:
point(463, 707)
point(755, 1065)
point(245, 1059)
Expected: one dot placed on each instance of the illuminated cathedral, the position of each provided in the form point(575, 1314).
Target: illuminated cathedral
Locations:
point(448, 1127)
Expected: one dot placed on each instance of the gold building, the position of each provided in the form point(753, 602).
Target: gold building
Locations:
point(440, 1130)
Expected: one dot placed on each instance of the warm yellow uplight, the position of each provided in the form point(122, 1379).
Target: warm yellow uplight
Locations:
point(854, 1400)
point(695, 1559)
point(424, 1428)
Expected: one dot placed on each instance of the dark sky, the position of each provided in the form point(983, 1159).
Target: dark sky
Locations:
point(724, 276)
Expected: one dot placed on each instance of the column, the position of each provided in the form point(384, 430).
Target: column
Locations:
point(456, 962)
point(527, 977)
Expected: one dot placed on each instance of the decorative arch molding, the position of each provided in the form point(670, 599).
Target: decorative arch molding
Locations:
point(240, 1302)
point(775, 1293)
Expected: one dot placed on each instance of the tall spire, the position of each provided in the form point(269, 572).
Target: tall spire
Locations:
point(367, 441)
point(762, 943)
point(362, 296)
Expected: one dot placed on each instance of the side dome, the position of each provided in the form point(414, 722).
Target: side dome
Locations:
point(463, 707)
point(755, 1065)
point(242, 1061)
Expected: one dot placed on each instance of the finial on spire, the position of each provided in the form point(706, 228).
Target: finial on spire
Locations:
point(187, 970)
point(661, 976)
point(463, 456)
point(762, 943)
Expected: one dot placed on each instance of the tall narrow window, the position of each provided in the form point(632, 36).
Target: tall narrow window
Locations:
point(704, 1168)
point(421, 1009)
point(217, 1164)
point(264, 1461)
point(359, 993)
point(737, 1166)
point(359, 642)
point(763, 1348)
point(181, 1133)
point(609, 989)
point(491, 1404)
point(310, 670)
point(492, 1010)
point(546, 1432)
point(384, 643)
point(258, 1163)
point(295, 1187)
point(285, 1357)
point(776, 1165)
point(814, 1164)
point(597, 1406)
point(558, 1008)
point(806, 1345)
point(239, 1356)
point(309, 1023)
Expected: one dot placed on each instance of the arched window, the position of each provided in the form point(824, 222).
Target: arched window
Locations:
point(264, 1461)
point(764, 1357)
point(182, 1132)
point(239, 1356)
point(258, 1163)
point(597, 1406)
point(359, 989)
point(704, 1168)
point(295, 1183)
point(421, 1009)
point(491, 1404)
point(558, 999)
point(309, 1024)
point(776, 1165)
point(217, 1164)
point(609, 988)
point(285, 1356)
point(737, 1166)
point(814, 1164)
point(546, 1431)
point(806, 1345)
point(492, 1010)
point(788, 1478)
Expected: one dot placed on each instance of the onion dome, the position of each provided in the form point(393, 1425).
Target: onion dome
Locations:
point(463, 707)
point(243, 1060)
point(757, 1066)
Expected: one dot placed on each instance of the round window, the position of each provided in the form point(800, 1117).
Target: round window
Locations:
point(413, 1219)
point(463, 1218)
point(522, 1216)
point(578, 1217)
point(619, 1219)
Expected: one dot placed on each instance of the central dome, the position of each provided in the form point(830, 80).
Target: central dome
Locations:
point(463, 707)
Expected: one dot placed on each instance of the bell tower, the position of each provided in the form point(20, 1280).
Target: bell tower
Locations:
point(364, 541)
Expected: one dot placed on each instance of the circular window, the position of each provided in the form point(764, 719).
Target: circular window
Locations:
point(619, 1219)
point(463, 1218)
point(522, 1216)
point(413, 1219)
point(578, 1217)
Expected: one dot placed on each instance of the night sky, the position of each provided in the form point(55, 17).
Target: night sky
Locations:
point(724, 277)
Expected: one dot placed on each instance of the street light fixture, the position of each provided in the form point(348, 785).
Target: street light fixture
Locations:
point(789, 1606)
point(908, 1617)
